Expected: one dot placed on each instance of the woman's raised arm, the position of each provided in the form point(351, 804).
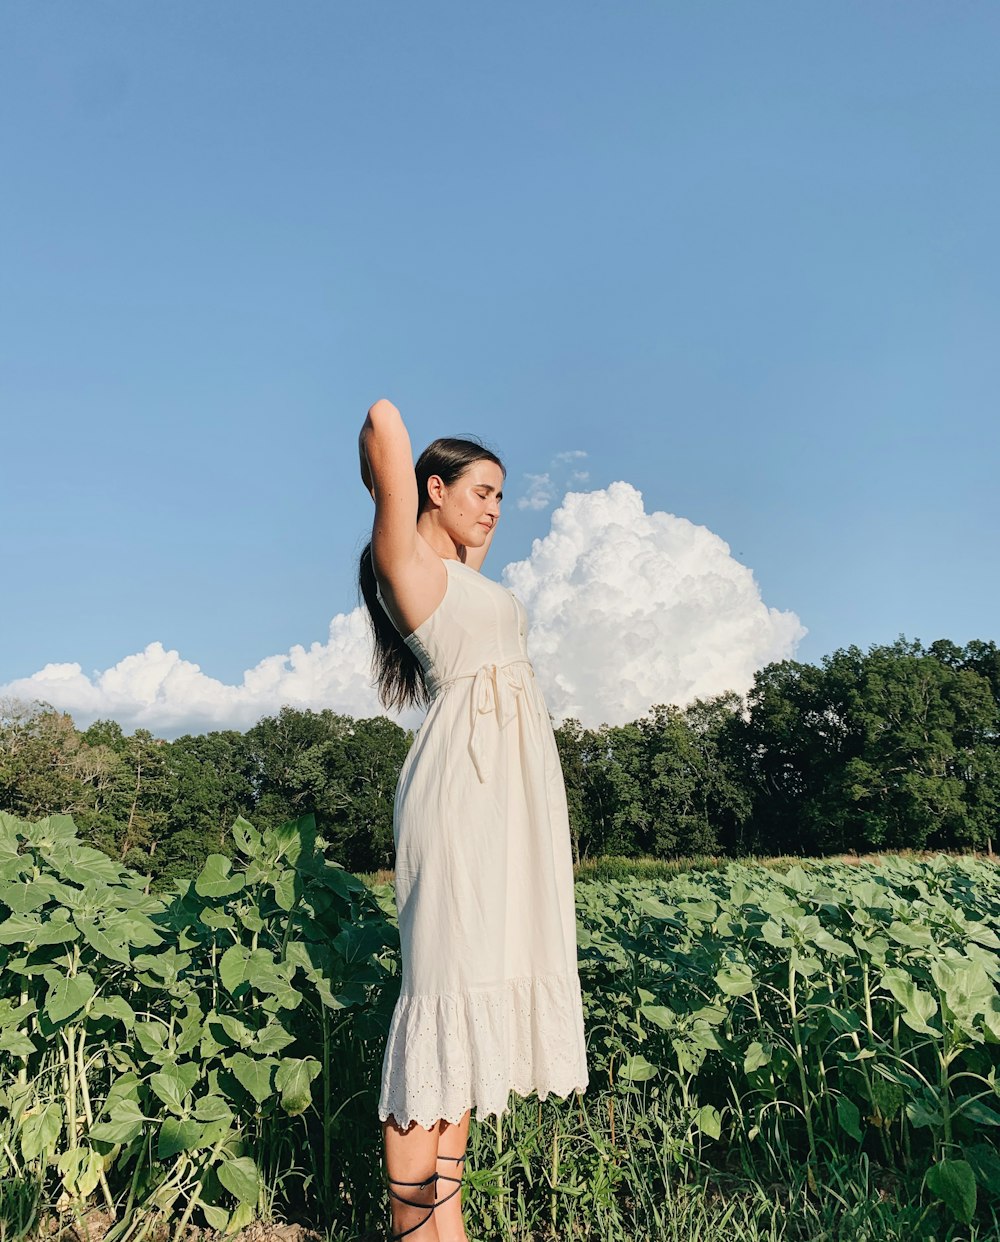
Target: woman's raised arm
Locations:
point(387, 472)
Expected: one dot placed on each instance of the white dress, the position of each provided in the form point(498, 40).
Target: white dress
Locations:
point(490, 998)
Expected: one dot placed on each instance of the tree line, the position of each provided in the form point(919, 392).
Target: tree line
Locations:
point(896, 747)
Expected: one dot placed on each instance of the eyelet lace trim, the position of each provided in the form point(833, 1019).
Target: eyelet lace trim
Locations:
point(447, 1053)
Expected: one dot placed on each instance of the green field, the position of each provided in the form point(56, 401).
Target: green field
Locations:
point(778, 1050)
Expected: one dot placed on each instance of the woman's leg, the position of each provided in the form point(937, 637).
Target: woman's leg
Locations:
point(410, 1157)
point(451, 1144)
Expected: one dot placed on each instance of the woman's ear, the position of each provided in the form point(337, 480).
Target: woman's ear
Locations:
point(435, 489)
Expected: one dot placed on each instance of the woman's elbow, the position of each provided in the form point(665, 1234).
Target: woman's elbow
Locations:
point(382, 411)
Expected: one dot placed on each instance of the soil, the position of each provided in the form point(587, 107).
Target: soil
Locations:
point(95, 1224)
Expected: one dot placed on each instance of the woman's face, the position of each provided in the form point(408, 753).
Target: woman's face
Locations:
point(471, 505)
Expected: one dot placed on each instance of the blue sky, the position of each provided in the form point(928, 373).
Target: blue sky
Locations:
point(743, 257)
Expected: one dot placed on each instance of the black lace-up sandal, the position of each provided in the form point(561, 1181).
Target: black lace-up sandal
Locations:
point(394, 1237)
point(435, 1178)
point(443, 1177)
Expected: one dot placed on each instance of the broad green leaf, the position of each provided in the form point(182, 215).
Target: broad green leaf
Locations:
point(773, 934)
point(24, 897)
point(234, 968)
point(83, 865)
point(656, 909)
point(216, 918)
point(171, 1086)
point(14, 1015)
point(17, 1043)
point(798, 881)
point(923, 1112)
point(290, 840)
point(284, 890)
point(215, 880)
point(67, 995)
point(293, 1079)
point(985, 1162)
point(213, 1108)
point(333, 876)
point(164, 967)
point(81, 1170)
point(704, 1037)
point(254, 1075)
point(178, 1135)
point(984, 935)
point(133, 927)
point(251, 920)
point(955, 1183)
point(234, 1029)
point(31, 931)
point(830, 944)
point(246, 835)
point(240, 1178)
point(113, 1007)
point(965, 986)
point(273, 1038)
point(736, 979)
point(659, 1015)
point(284, 996)
point(125, 1087)
point(218, 1218)
point(709, 1121)
point(991, 1021)
point(55, 832)
point(151, 1036)
point(242, 1215)
point(41, 1131)
point(843, 1022)
point(918, 1006)
point(977, 1112)
point(756, 1057)
point(358, 941)
point(111, 947)
point(848, 1117)
point(125, 1122)
point(911, 935)
point(636, 1068)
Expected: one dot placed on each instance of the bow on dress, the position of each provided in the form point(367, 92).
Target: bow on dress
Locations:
point(495, 688)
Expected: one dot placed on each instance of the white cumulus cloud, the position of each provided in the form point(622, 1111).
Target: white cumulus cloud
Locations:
point(158, 690)
point(627, 609)
point(539, 494)
point(542, 489)
point(630, 608)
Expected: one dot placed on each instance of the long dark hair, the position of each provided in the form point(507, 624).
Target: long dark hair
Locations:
point(396, 669)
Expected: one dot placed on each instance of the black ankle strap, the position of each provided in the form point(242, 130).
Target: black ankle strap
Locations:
point(413, 1203)
point(444, 1177)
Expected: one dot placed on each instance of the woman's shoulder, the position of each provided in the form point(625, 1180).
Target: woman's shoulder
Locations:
point(411, 589)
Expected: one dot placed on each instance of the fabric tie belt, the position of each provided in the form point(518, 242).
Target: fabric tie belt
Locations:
point(495, 688)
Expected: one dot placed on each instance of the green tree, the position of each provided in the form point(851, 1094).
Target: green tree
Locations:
point(870, 751)
point(210, 786)
point(342, 770)
point(45, 766)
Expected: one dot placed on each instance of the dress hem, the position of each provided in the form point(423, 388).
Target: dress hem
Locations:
point(483, 1110)
point(448, 1052)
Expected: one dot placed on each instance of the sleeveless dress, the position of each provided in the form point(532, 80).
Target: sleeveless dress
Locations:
point(490, 995)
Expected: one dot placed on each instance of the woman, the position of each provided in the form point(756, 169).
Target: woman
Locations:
point(490, 994)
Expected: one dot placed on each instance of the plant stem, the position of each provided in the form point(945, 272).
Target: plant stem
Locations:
point(803, 1081)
